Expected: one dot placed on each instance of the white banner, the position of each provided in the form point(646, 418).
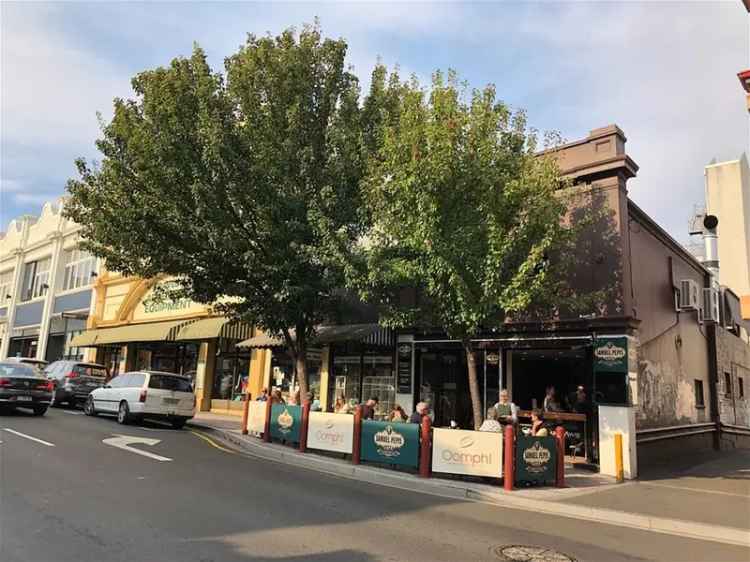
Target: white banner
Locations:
point(478, 453)
point(331, 432)
point(256, 416)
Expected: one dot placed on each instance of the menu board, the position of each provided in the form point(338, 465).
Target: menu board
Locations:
point(403, 373)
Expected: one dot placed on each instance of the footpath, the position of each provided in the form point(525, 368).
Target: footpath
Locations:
point(707, 501)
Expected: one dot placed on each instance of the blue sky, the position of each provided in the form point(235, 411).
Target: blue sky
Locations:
point(664, 72)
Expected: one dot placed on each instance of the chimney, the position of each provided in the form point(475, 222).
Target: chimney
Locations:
point(711, 242)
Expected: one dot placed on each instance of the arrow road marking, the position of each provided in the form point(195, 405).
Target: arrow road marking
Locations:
point(124, 441)
point(29, 437)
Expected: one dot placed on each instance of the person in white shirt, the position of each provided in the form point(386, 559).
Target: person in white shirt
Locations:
point(491, 423)
point(507, 411)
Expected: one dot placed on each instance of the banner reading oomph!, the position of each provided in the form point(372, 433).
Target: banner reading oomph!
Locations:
point(391, 443)
point(286, 422)
point(256, 416)
point(330, 432)
point(477, 453)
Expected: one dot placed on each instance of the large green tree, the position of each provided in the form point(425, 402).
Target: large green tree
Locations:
point(464, 209)
point(244, 185)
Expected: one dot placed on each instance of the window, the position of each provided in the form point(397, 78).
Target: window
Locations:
point(6, 286)
point(35, 279)
point(136, 380)
point(79, 266)
point(742, 386)
point(728, 384)
point(164, 382)
point(90, 371)
point(699, 400)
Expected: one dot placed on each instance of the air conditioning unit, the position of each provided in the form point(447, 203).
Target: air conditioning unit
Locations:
point(711, 312)
point(690, 295)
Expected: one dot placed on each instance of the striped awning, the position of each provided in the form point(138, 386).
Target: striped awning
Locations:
point(372, 334)
point(216, 327)
point(154, 331)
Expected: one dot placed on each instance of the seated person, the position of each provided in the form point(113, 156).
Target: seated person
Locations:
point(491, 423)
point(538, 427)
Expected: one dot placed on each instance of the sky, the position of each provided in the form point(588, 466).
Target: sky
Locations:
point(664, 72)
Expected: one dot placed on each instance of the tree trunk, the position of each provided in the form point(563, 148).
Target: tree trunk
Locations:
point(300, 363)
point(476, 399)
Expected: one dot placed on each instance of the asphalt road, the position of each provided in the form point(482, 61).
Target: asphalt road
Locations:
point(82, 500)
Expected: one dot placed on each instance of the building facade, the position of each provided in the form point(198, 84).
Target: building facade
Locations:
point(45, 286)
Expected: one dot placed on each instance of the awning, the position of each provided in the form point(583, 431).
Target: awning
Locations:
point(217, 327)
point(366, 333)
point(155, 331)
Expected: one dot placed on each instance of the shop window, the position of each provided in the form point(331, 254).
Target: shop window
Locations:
point(699, 399)
point(378, 382)
point(35, 279)
point(741, 386)
point(79, 266)
point(6, 286)
point(728, 384)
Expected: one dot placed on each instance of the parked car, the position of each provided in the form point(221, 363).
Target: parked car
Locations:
point(74, 380)
point(39, 364)
point(142, 395)
point(22, 385)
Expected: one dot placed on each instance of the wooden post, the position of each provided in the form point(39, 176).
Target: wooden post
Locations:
point(560, 438)
point(245, 408)
point(357, 435)
point(425, 448)
point(619, 473)
point(267, 425)
point(304, 426)
point(509, 452)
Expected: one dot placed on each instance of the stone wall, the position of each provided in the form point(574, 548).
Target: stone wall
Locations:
point(733, 357)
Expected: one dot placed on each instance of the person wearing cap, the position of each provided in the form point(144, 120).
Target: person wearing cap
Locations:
point(420, 412)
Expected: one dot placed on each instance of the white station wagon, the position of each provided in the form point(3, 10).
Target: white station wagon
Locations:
point(144, 394)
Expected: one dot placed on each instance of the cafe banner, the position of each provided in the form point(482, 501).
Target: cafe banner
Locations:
point(285, 422)
point(476, 453)
point(256, 416)
point(611, 354)
point(536, 459)
point(391, 443)
point(331, 432)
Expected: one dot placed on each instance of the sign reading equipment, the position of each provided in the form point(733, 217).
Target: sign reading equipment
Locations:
point(475, 453)
point(330, 432)
point(256, 416)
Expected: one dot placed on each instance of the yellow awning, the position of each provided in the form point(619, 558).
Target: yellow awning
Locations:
point(210, 328)
point(155, 331)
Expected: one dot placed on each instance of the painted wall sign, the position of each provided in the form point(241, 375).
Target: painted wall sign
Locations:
point(611, 354)
point(285, 422)
point(403, 377)
point(478, 453)
point(155, 304)
point(536, 459)
point(256, 416)
point(391, 443)
point(331, 432)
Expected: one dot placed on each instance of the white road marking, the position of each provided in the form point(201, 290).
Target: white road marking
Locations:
point(124, 441)
point(29, 437)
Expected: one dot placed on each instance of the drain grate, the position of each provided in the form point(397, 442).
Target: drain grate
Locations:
point(527, 553)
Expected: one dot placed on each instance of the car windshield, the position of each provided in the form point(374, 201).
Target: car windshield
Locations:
point(165, 382)
point(90, 371)
point(17, 370)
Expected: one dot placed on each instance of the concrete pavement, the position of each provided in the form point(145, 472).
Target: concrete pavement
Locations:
point(78, 499)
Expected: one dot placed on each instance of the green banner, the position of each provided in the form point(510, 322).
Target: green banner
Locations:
point(391, 443)
point(536, 459)
point(286, 422)
point(611, 354)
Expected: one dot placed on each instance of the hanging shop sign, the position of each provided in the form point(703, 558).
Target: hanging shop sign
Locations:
point(611, 354)
point(536, 459)
point(285, 422)
point(475, 453)
point(330, 432)
point(391, 443)
point(403, 377)
point(256, 416)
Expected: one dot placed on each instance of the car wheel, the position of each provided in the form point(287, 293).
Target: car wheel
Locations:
point(72, 403)
point(88, 408)
point(178, 424)
point(123, 413)
point(40, 410)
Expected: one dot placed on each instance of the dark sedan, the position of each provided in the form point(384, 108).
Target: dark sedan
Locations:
point(23, 386)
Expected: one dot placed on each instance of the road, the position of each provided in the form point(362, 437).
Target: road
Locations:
point(65, 495)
